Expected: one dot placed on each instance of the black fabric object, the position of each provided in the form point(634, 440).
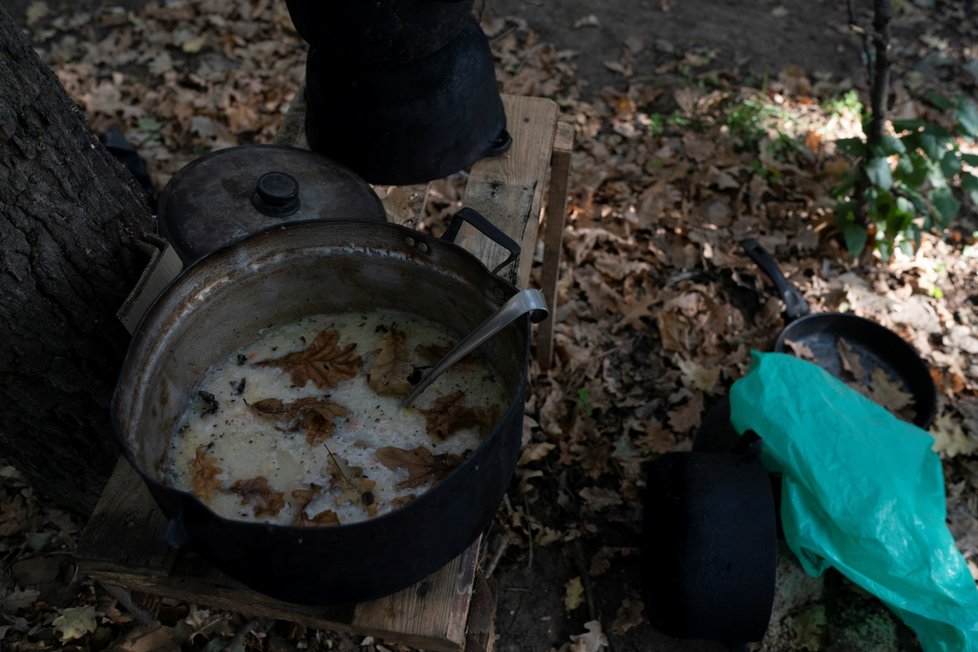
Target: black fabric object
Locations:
point(378, 32)
point(709, 546)
point(412, 122)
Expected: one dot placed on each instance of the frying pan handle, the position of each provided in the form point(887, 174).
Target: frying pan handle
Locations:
point(488, 229)
point(795, 305)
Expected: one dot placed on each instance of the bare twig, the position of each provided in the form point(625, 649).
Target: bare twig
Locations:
point(582, 569)
point(502, 543)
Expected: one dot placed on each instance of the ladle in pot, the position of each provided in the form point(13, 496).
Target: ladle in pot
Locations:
point(523, 302)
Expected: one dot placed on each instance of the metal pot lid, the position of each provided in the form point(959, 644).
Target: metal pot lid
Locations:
point(229, 194)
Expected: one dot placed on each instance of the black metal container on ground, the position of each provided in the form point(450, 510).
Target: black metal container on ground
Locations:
point(278, 276)
point(709, 548)
point(371, 33)
point(222, 197)
point(411, 122)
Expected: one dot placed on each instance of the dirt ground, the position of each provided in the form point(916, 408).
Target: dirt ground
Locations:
point(635, 275)
point(758, 37)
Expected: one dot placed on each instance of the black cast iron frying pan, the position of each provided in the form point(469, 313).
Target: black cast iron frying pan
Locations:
point(875, 345)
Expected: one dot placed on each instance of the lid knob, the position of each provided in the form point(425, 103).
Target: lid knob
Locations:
point(276, 194)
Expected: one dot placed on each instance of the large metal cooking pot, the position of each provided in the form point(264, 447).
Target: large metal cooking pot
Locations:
point(378, 32)
point(411, 122)
point(222, 302)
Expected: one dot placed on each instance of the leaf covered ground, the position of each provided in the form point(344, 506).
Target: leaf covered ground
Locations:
point(683, 154)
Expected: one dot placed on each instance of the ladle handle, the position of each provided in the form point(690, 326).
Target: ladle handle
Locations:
point(524, 302)
point(488, 229)
point(795, 305)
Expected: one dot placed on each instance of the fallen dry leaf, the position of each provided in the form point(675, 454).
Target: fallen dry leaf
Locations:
point(75, 622)
point(256, 492)
point(204, 472)
point(312, 415)
point(888, 392)
point(850, 359)
point(322, 362)
point(800, 350)
point(950, 439)
point(630, 614)
point(422, 466)
point(687, 416)
point(597, 498)
point(703, 377)
point(573, 594)
point(391, 369)
point(591, 641)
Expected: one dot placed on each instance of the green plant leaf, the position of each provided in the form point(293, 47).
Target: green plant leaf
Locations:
point(878, 172)
point(939, 100)
point(855, 237)
point(919, 202)
point(967, 114)
point(945, 204)
point(854, 147)
point(889, 145)
point(950, 164)
point(969, 184)
point(931, 145)
point(970, 159)
point(907, 125)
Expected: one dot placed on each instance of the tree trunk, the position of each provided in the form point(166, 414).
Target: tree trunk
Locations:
point(69, 218)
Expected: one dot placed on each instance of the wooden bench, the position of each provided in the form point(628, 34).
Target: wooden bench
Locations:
point(122, 545)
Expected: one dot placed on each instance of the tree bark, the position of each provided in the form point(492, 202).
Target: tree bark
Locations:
point(69, 219)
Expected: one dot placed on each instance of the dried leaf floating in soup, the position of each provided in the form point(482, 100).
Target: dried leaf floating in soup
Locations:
point(302, 498)
point(449, 414)
point(323, 362)
point(355, 488)
point(204, 472)
point(256, 492)
point(422, 466)
point(391, 369)
point(312, 415)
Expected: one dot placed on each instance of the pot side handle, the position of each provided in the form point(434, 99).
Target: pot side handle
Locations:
point(795, 305)
point(488, 229)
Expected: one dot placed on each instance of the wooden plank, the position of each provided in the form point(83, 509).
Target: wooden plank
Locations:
point(480, 634)
point(508, 189)
point(553, 237)
point(125, 532)
point(123, 546)
point(436, 607)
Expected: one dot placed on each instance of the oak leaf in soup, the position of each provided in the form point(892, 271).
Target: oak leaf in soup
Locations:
point(449, 414)
point(355, 488)
point(324, 361)
point(302, 498)
point(423, 467)
point(264, 500)
point(312, 415)
point(204, 472)
point(390, 371)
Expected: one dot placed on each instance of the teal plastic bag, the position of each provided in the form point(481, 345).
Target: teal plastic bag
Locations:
point(862, 492)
